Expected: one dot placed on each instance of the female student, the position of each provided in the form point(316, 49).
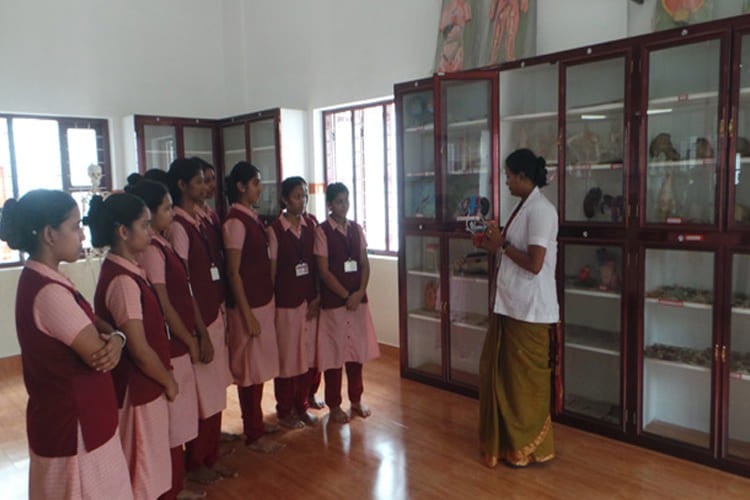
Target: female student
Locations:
point(168, 276)
point(191, 240)
point(254, 356)
point(74, 447)
point(143, 378)
point(291, 238)
point(346, 334)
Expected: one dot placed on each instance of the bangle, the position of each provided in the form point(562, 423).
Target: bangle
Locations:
point(118, 333)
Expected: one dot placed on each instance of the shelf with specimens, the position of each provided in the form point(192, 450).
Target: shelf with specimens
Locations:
point(418, 142)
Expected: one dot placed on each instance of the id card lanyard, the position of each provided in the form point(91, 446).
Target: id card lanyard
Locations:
point(215, 275)
point(350, 266)
point(302, 268)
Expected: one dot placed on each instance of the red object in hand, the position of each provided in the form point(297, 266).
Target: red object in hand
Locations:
point(477, 239)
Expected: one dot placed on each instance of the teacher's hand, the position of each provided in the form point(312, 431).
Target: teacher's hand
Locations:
point(493, 238)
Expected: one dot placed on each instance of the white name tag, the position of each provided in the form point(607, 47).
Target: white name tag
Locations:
point(301, 269)
point(215, 273)
point(350, 266)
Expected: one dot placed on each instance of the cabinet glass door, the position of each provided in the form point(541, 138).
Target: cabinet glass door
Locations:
point(263, 155)
point(739, 360)
point(593, 305)
point(468, 307)
point(677, 344)
point(160, 143)
point(682, 123)
point(424, 304)
point(742, 140)
point(467, 147)
point(199, 142)
point(234, 146)
point(528, 119)
point(418, 150)
point(594, 141)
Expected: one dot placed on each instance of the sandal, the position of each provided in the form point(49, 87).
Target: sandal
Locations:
point(360, 410)
point(291, 421)
point(203, 475)
point(315, 403)
point(309, 419)
point(265, 445)
point(338, 416)
point(224, 471)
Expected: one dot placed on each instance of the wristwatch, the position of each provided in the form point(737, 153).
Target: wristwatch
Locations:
point(505, 246)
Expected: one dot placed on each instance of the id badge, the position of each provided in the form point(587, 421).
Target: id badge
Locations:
point(350, 266)
point(215, 273)
point(301, 269)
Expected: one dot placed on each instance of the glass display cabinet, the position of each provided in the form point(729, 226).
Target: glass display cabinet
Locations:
point(528, 119)
point(682, 124)
point(160, 145)
point(233, 145)
point(595, 103)
point(737, 355)
point(739, 136)
point(592, 315)
point(417, 153)
point(678, 352)
point(161, 140)
point(264, 155)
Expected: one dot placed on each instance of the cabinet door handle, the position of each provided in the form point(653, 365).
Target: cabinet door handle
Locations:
point(716, 353)
point(731, 127)
point(445, 308)
point(723, 354)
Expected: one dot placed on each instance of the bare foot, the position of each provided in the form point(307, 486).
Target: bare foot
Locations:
point(269, 428)
point(490, 461)
point(338, 416)
point(265, 445)
point(204, 475)
point(291, 421)
point(361, 410)
point(188, 494)
point(224, 470)
point(309, 419)
point(314, 403)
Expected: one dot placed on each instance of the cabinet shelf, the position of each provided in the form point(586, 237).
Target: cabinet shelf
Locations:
point(428, 127)
point(606, 106)
point(195, 152)
point(424, 274)
point(679, 303)
point(744, 311)
point(469, 172)
point(591, 339)
point(234, 151)
point(470, 321)
point(425, 315)
point(262, 148)
point(592, 293)
point(677, 364)
point(594, 166)
point(419, 174)
point(600, 410)
point(480, 279)
point(692, 97)
point(693, 162)
point(530, 116)
point(468, 123)
point(272, 181)
point(678, 433)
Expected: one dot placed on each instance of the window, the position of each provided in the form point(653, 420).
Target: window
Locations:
point(53, 153)
point(360, 144)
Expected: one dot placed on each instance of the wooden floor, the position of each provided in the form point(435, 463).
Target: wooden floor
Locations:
point(420, 443)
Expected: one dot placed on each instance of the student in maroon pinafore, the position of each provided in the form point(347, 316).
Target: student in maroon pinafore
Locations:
point(253, 352)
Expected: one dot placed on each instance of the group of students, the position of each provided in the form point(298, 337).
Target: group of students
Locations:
point(126, 398)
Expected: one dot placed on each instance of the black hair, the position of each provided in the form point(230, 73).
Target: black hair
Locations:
point(120, 209)
point(182, 169)
point(288, 185)
point(532, 166)
point(151, 192)
point(203, 163)
point(158, 175)
point(22, 220)
point(133, 179)
point(335, 189)
point(242, 172)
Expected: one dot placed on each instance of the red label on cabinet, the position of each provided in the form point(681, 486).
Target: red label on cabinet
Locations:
point(682, 97)
point(693, 237)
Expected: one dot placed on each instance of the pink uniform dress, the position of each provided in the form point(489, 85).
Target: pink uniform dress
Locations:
point(213, 378)
point(296, 335)
point(253, 360)
point(144, 429)
point(344, 336)
point(101, 472)
point(183, 411)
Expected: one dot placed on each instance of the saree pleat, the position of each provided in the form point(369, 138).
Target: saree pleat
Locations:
point(514, 392)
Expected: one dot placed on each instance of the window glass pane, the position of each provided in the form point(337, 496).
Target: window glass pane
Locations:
point(82, 152)
point(371, 179)
point(6, 187)
point(343, 160)
point(37, 147)
point(392, 177)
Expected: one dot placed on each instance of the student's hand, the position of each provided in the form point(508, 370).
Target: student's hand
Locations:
point(172, 389)
point(352, 303)
point(106, 358)
point(493, 238)
point(206, 349)
point(252, 325)
point(194, 349)
point(313, 307)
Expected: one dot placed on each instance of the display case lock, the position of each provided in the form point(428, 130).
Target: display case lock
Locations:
point(716, 353)
point(723, 354)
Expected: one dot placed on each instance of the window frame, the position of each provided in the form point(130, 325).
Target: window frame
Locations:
point(383, 104)
point(64, 123)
